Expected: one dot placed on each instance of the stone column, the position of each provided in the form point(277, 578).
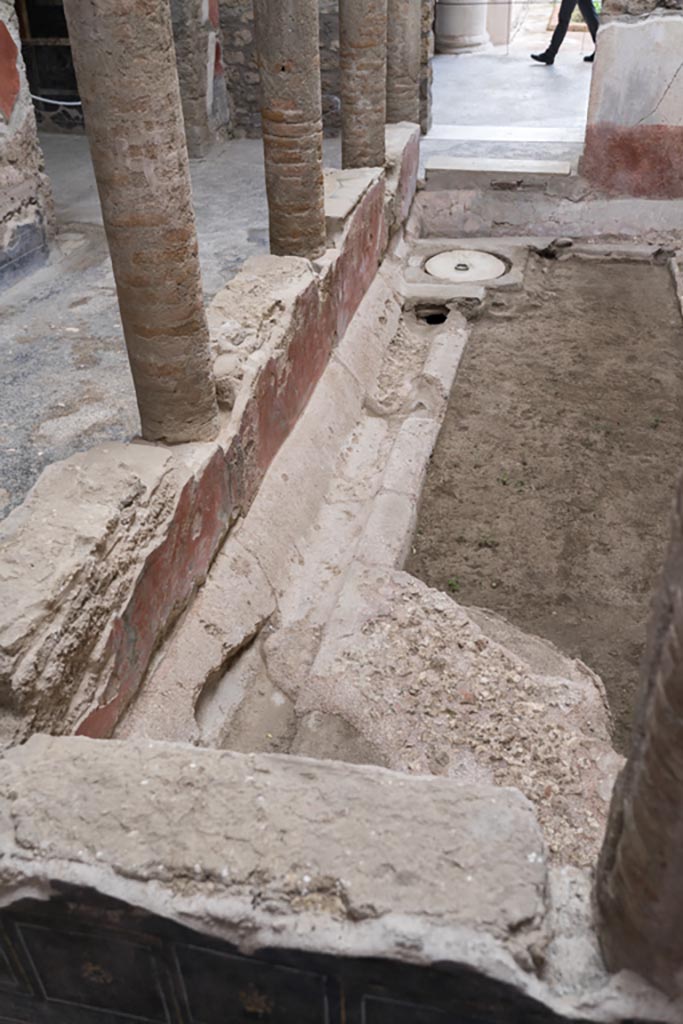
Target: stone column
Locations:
point(639, 886)
point(363, 62)
point(125, 65)
point(404, 45)
point(287, 40)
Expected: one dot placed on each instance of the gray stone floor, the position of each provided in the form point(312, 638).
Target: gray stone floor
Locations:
point(65, 379)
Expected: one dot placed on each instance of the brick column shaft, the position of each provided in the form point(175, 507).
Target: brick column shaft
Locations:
point(125, 64)
point(363, 61)
point(404, 50)
point(287, 41)
point(639, 885)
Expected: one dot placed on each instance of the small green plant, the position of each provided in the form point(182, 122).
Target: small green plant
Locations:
point(504, 479)
point(656, 422)
point(454, 585)
point(487, 542)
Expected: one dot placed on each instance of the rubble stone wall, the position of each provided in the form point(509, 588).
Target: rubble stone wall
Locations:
point(110, 545)
point(25, 197)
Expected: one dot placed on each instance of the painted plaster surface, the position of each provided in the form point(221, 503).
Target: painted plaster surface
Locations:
point(203, 90)
point(9, 72)
point(634, 140)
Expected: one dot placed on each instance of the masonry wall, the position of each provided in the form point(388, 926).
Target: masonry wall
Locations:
point(196, 34)
point(237, 22)
point(109, 546)
point(634, 139)
point(25, 198)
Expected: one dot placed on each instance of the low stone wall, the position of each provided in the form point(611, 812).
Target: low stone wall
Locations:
point(25, 197)
point(138, 879)
point(577, 211)
point(634, 139)
point(110, 545)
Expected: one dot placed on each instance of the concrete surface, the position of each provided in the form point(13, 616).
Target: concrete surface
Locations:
point(66, 381)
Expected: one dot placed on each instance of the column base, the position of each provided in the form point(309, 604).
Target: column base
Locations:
point(461, 27)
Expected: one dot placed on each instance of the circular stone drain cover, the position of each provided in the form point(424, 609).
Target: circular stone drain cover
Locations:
point(465, 266)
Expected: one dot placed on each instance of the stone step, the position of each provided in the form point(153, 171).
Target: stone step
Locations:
point(446, 173)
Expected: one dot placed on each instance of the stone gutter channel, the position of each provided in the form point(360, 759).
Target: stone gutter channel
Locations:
point(326, 755)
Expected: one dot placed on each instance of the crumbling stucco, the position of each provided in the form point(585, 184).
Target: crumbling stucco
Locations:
point(110, 545)
point(26, 213)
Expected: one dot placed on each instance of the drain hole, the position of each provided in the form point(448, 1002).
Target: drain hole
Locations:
point(432, 315)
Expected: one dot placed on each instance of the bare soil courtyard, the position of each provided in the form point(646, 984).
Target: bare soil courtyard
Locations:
point(549, 491)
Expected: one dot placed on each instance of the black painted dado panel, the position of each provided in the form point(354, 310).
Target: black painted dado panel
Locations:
point(82, 959)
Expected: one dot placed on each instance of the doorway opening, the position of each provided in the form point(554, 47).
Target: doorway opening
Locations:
point(49, 66)
point(491, 100)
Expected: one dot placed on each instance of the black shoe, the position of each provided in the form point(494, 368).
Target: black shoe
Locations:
point(590, 58)
point(543, 58)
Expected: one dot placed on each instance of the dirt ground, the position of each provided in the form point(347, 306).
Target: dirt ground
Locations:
point(549, 491)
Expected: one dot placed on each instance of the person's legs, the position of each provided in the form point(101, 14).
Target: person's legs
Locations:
point(565, 16)
point(590, 16)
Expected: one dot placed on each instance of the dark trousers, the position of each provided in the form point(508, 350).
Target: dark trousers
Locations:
point(567, 8)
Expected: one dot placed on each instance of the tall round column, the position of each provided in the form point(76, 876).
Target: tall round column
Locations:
point(288, 49)
point(404, 44)
point(639, 884)
point(363, 60)
point(125, 65)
